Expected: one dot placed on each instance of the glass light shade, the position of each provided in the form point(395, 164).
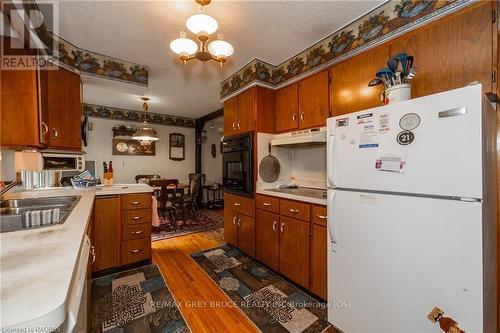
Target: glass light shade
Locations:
point(201, 23)
point(220, 48)
point(184, 45)
point(145, 134)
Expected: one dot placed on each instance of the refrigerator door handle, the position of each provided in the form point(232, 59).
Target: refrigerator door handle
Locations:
point(329, 159)
point(331, 222)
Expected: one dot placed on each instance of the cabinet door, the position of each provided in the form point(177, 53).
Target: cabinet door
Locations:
point(287, 108)
point(19, 108)
point(230, 116)
point(230, 227)
point(313, 100)
point(246, 111)
point(246, 234)
point(106, 232)
point(64, 109)
point(318, 261)
point(267, 238)
point(350, 78)
point(294, 250)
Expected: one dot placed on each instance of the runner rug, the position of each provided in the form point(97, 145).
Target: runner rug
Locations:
point(137, 300)
point(268, 300)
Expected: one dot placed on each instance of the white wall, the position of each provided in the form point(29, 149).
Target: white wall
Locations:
point(212, 167)
point(7, 171)
point(125, 168)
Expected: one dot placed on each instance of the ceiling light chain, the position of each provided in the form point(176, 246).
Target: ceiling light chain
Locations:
point(203, 26)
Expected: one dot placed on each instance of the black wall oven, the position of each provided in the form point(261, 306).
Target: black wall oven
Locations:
point(237, 160)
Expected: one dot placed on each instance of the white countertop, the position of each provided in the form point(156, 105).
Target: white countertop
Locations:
point(37, 265)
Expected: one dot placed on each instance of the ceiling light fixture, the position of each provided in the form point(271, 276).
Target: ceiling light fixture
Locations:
point(203, 26)
point(145, 134)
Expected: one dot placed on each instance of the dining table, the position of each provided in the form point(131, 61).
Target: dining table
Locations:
point(181, 186)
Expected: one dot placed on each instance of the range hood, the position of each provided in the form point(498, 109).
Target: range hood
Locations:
point(314, 136)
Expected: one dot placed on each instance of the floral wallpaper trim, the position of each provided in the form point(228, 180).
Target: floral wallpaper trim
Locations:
point(99, 65)
point(382, 23)
point(108, 112)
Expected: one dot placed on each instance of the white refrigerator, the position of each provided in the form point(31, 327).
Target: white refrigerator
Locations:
point(412, 215)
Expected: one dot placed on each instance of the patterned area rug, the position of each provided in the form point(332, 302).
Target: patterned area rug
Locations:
point(268, 300)
point(133, 301)
point(203, 221)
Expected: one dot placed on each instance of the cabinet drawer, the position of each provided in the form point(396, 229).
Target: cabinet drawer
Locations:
point(136, 216)
point(270, 204)
point(319, 215)
point(136, 250)
point(136, 231)
point(239, 204)
point(136, 201)
point(295, 209)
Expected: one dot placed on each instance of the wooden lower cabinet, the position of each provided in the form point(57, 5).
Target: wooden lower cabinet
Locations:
point(267, 238)
point(121, 233)
point(294, 250)
point(318, 263)
point(246, 234)
point(239, 231)
point(230, 227)
point(106, 232)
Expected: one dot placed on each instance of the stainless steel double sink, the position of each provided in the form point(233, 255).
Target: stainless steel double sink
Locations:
point(13, 212)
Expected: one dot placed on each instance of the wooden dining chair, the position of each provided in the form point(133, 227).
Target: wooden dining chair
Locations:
point(167, 201)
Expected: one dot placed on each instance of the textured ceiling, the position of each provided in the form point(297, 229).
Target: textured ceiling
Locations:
point(140, 31)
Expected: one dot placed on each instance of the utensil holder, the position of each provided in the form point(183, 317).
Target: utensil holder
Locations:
point(397, 93)
point(108, 178)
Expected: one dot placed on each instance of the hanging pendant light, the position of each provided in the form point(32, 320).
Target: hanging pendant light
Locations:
point(145, 134)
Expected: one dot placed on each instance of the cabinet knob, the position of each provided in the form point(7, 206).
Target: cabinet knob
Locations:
point(274, 225)
point(293, 211)
point(234, 220)
point(234, 125)
point(55, 133)
point(294, 117)
point(267, 204)
point(135, 250)
point(282, 226)
point(92, 253)
point(302, 116)
point(239, 222)
point(323, 217)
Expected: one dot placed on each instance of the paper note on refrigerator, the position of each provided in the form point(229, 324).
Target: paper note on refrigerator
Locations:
point(390, 164)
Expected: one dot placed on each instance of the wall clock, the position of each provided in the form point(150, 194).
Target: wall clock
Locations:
point(121, 147)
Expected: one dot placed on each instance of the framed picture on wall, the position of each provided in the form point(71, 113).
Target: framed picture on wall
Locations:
point(177, 147)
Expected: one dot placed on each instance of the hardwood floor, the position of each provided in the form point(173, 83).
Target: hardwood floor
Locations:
point(195, 292)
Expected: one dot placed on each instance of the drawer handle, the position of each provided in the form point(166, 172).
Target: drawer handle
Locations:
point(274, 225)
point(92, 253)
point(135, 250)
point(138, 232)
point(239, 222)
point(267, 204)
point(135, 218)
point(135, 203)
point(237, 204)
point(282, 226)
point(293, 211)
point(234, 220)
point(323, 217)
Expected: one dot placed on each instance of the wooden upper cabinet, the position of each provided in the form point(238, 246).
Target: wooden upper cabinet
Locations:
point(251, 110)
point(287, 108)
point(349, 82)
point(230, 116)
point(313, 100)
point(19, 108)
point(64, 109)
point(246, 111)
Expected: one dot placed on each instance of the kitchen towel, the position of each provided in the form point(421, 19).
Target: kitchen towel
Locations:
point(155, 220)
